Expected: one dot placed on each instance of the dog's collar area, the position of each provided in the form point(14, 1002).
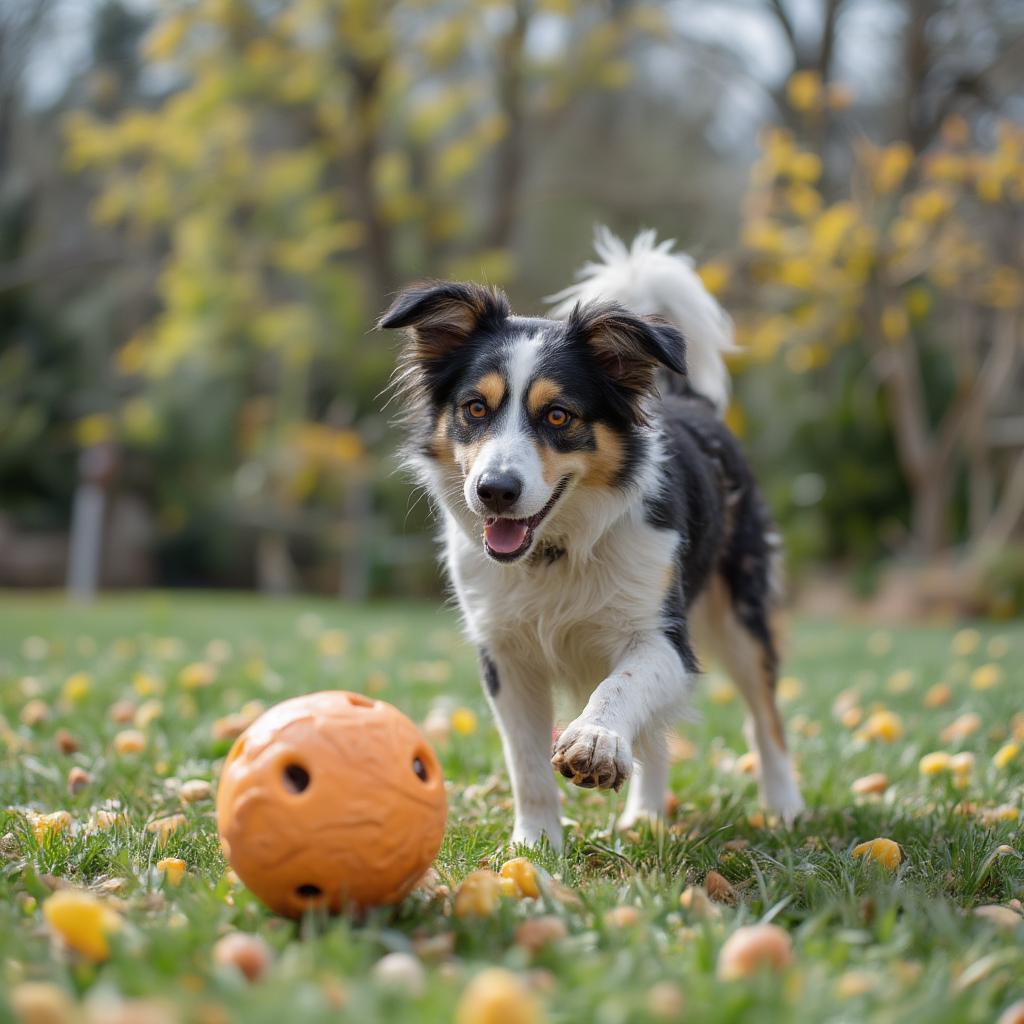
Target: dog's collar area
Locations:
point(547, 553)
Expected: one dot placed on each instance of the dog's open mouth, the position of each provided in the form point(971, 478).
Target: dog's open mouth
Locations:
point(509, 539)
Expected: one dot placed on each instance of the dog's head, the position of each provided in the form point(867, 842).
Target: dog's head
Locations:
point(529, 415)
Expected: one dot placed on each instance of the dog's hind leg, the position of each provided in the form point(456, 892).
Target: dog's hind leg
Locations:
point(741, 640)
point(648, 788)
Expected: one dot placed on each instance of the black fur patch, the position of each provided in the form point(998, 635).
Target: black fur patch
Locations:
point(711, 499)
point(490, 674)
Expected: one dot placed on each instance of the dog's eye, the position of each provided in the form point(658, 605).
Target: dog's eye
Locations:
point(476, 409)
point(557, 417)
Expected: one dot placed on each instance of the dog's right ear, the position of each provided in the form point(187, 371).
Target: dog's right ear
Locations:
point(441, 315)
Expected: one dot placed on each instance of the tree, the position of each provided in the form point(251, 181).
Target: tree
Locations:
point(311, 157)
point(919, 265)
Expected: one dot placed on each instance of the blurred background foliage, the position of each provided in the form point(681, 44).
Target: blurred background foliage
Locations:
point(204, 204)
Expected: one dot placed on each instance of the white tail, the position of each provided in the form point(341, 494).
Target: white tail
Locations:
point(649, 278)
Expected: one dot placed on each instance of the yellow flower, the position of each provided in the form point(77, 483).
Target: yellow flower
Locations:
point(497, 996)
point(44, 825)
point(478, 895)
point(789, 688)
point(722, 693)
point(966, 642)
point(892, 166)
point(146, 685)
point(882, 851)
point(830, 229)
point(147, 713)
point(934, 763)
point(962, 764)
point(876, 782)
point(852, 984)
point(798, 274)
point(77, 687)
point(333, 643)
point(900, 682)
point(960, 728)
point(803, 200)
point(129, 741)
point(805, 167)
point(172, 868)
point(523, 874)
point(764, 236)
point(103, 819)
point(938, 696)
point(930, 205)
point(464, 721)
point(34, 713)
point(984, 677)
point(991, 816)
point(895, 323)
point(163, 827)
point(715, 275)
point(198, 674)
point(82, 921)
point(882, 725)
point(94, 430)
point(803, 90)
point(1005, 754)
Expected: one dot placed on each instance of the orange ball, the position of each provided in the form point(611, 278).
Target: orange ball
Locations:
point(332, 800)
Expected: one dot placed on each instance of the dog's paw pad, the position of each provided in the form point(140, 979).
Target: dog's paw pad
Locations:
point(593, 757)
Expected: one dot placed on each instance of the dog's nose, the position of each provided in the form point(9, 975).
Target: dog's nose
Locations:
point(499, 491)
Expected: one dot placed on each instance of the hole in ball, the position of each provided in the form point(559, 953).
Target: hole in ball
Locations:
point(296, 778)
point(309, 891)
point(420, 769)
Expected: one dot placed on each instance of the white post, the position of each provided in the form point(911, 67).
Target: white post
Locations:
point(95, 469)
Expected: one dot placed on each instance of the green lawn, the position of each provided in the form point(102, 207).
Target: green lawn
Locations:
point(868, 944)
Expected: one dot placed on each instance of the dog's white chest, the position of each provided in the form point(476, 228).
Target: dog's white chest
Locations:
point(569, 618)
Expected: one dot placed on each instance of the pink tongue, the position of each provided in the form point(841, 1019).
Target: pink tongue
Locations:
point(505, 535)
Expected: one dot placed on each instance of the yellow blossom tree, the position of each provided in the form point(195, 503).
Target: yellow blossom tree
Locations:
point(916, 260)
point(311, 157)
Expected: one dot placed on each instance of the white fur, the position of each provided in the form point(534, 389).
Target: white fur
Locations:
point(649, 278)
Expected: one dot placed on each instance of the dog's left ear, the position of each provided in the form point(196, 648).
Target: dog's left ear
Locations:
point(441, 315)
point(629, 348)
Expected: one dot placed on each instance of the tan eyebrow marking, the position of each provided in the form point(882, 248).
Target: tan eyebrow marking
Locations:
point(440, 444)
point(607, 460)
point(492, 387)
point(543, 391)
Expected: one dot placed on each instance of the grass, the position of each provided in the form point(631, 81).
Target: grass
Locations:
point(868, 944)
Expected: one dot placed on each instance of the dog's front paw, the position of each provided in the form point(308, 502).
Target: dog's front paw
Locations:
point(593, 757)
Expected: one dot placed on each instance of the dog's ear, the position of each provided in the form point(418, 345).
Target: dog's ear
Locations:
point(441, 315)
point(629, 348)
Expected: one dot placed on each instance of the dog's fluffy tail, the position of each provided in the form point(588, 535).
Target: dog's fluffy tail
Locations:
point(648, 278)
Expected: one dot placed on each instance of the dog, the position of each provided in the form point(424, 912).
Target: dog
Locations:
point(597, 518)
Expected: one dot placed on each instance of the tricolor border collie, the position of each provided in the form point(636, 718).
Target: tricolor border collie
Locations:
point(597, 517)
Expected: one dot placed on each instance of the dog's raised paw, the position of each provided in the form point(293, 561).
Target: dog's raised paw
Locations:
point(593, 757)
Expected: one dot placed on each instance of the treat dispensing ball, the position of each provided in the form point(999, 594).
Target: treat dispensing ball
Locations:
point(332, 800)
